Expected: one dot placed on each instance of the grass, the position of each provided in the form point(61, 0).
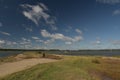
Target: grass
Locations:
point(72, 68)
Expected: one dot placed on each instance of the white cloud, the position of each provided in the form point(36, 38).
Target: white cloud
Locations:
point(49, 41)
point(69, 43)
point(97, 42)
point(29, 29)
point(59, 36)
point(43, 6)
point(77, 38)
point(39, 40)
point(38, 12)
point(8, 44)
point(78, 31)
point(116, 12)
point(35, 38)
point(15, 43)
point(115, 42)
point(44, 33)
point(1, 24)
point(108, 1)
point(11, 43)
point(27, 46)
point(25, 41)
point(2, 41)
point(5, 33)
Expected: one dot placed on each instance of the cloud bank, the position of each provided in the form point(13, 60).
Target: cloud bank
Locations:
point(59, 36)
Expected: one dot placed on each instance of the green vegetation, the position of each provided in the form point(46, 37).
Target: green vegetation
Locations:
point(72, 68)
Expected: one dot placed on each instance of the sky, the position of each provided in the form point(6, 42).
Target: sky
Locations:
point(60, 24)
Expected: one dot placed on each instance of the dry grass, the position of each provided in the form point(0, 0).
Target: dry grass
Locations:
point(110, 67)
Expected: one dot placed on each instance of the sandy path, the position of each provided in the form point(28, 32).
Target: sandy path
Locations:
point(8, 68)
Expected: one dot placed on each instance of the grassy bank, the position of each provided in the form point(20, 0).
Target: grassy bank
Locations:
point(72, 68)
point(27, 55)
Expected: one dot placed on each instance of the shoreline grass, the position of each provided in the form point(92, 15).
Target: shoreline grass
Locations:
point(72, 68)
point(68, 68)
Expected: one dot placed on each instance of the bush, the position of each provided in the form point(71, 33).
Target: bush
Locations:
point(96, 61)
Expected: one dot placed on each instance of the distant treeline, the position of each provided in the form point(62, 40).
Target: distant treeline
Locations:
point(55, 50)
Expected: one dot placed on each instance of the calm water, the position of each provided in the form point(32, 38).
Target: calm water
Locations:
point(9, 53)
point(98, 53)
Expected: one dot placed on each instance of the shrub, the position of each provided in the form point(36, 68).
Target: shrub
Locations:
point(96, 61)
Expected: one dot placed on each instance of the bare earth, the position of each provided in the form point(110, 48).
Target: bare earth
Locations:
point(12, 67)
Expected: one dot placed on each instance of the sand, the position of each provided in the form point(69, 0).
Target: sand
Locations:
point(12, 67)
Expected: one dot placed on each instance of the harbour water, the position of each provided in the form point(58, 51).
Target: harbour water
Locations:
point(9, 53)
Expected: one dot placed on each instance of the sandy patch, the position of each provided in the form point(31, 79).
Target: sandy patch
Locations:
point(12, 67)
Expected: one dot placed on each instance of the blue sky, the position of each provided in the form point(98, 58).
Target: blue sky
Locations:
point(60, 24)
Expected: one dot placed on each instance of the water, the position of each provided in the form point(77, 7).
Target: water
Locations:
point(91, 53)
point(9, 53)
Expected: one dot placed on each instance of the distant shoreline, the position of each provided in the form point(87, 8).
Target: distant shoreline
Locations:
point(7, 53)
point(59, 50)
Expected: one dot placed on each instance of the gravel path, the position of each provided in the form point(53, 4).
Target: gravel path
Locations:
point(12, 67)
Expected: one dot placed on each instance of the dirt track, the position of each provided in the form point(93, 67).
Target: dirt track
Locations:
point(9, 68)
